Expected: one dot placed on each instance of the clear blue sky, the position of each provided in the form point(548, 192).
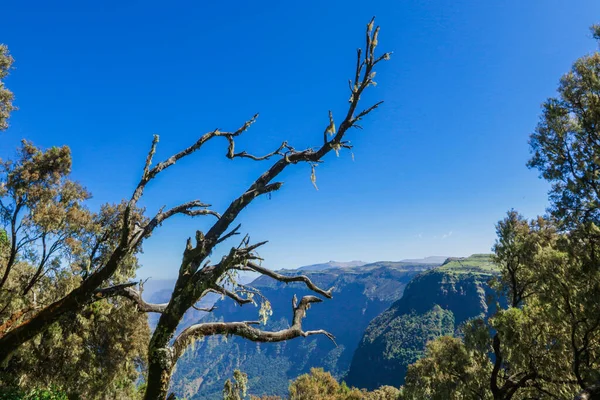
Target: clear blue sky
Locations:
point(435, 168)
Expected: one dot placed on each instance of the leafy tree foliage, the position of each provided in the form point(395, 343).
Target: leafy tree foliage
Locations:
point(6, 96)
point(237, 389)
point(450, 370)
point(94, 352)
point(316, 385)
point(34, 394)
point(566, 142)
point(320, 385)
point(546, 342)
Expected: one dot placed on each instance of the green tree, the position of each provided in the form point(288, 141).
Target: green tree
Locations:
point(92, 352)
point(546, 341)
point(566, 143)
point(320, 385)
point(6, 96)
point(237, 389)
point(451, 369)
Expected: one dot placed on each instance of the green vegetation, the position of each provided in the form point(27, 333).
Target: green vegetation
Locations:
point(35, 394)
point(96, 350)
point(521, 324)
point(316, 385)
point(6, 96)
point(481, 264)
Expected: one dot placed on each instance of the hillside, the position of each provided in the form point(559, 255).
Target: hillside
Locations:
point(360, 294)
point(435, 303)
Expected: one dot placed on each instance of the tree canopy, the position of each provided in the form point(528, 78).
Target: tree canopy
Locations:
point(6, 96)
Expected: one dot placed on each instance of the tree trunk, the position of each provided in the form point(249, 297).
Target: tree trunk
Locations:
point(160, 368)
point(161, 360)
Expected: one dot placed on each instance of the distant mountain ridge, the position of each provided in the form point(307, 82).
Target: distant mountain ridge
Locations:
point(332, 264)
point(431, 260)
point(427, 260)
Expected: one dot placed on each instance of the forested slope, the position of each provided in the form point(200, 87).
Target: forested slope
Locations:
point(434, 304)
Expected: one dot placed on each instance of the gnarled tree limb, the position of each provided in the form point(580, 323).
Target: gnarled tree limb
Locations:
point(245, 330)
point(250, 266)
point(238, 299)
point(126, 290)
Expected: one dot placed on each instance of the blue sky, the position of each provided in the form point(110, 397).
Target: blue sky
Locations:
point(435, 167)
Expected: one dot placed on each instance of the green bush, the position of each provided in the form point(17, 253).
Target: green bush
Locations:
point(34, 394)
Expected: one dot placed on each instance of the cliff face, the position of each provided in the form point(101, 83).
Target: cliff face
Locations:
point(360, 294)
point(434, 304)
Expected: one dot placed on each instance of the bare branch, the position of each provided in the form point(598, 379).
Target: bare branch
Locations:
point(211, 309)
point(287, 279)
point(237, 256)
point(150, 156)
point(244, 154)
point(149, 174)
point(245, 330)
point(367, 111)
point(233, 232)
point(191, 208)
point(14, 318)
point(363, 78)
point(221, 290)
point(125, 290)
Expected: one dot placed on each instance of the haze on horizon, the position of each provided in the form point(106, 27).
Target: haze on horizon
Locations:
point(434, 168)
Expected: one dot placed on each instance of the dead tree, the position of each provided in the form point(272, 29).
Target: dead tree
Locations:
point(197, 276)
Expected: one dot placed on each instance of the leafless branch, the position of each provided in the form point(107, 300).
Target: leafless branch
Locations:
point(287, 279)
point(233, 232)
point(221, 290)
point(205, 309)
point(150, 156)
point(363, 78)
point(245, 330)
point(126, 290)
point(149, 174)
point(191, 208)
point(244, 154)
point(239, 255)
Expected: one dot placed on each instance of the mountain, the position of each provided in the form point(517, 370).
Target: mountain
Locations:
point(360, 294)
point(426, 260)
point(332, 264)
point(153, 286)
point(435, 303)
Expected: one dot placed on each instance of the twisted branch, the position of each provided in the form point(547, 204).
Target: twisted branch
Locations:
point(221, 290)
point(287, 279)
point(126, 290)
point(246, 330)
point(192, 208)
